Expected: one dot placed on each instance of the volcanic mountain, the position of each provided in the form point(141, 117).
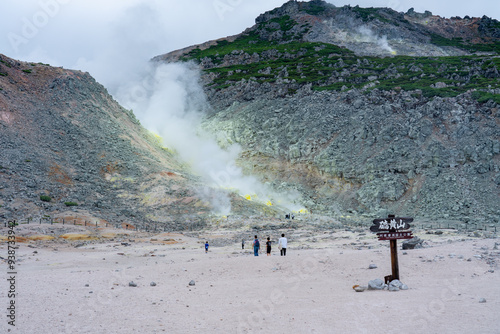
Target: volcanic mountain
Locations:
point(365, 111)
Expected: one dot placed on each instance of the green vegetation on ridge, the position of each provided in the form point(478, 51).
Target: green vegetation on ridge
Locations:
point(459, 43)
point(257, 56)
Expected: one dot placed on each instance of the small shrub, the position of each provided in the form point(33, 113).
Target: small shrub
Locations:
point(45, 198)
point(5, 63)
point(3, 74)
point(70, 204)
point(314, 9)
point(27, 71)
point(483, 97)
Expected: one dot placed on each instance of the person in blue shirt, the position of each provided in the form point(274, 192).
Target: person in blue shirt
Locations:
point(256, 246)
point(206, 247)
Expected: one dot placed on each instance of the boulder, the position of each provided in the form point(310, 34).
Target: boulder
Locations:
point(396, 285)
point(360, 288)
point(376, 284)
point(413, 243)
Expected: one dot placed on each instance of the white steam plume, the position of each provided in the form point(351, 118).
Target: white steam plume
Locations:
point(369, 36)
point(170, 102)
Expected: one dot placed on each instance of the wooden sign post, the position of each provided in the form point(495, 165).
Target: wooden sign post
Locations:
point(392, 228)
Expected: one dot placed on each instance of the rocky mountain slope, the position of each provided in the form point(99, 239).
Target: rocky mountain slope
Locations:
point(366, 111)
point(362, 111)
point(69, 151)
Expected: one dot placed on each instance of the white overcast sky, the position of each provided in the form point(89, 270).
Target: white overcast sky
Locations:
point(106, 37)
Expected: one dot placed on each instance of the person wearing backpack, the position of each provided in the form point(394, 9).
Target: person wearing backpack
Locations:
point(256, 246)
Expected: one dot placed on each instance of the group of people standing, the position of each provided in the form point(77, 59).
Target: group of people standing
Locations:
point(282, 243)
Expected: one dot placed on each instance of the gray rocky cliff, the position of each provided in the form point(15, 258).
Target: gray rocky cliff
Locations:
point(368, 152)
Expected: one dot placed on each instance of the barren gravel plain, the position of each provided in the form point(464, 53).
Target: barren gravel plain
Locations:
point(88, 280)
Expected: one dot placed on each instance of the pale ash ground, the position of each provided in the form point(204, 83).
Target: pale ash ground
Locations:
point(63, 289)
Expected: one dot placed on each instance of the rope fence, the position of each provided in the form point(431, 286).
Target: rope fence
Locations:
point(148, 227)
point(197, 225)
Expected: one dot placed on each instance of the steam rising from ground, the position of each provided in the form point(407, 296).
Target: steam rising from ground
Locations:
point(369, 36)
point(170, 102)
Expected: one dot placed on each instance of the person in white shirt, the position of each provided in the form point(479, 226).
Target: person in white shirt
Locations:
point(282, 244)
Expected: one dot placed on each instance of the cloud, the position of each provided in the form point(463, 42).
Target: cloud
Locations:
point(89, 35)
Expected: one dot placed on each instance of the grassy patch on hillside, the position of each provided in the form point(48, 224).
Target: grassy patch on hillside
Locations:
point(45, 198)
point(483, 97)
point(458, 42)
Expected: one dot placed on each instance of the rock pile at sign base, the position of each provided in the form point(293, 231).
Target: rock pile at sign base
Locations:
point(378, 284)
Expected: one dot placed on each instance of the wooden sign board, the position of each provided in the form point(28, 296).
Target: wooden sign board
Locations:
point(395, 235)
point(392, 228)
point(391, 224)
